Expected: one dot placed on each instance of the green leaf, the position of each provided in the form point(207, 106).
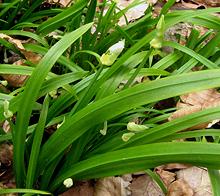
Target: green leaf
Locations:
point(37, 138)
point(30, 94)
point(215, 179)
point(60, 19)
point(139, 158)
point(26, 34)
point(31, 191)
point(116, 104)
point(193, 54)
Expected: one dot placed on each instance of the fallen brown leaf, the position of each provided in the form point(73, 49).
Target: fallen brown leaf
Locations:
point(198, 179)
point(166, 176)
point(18, 80)
point(13, 79)
point(180, 188)
point(63, 3)
point(174, 166)
point(145, 186)
point(213, 3)
point(6, 154)
point(112, 186)
point(134, 12)
point(194, 102)
point(6, 157)
point(192, 4)
point(81, 189)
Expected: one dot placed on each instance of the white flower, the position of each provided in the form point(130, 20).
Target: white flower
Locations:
point(109, 57)
point(131, 126)
point(68, 182)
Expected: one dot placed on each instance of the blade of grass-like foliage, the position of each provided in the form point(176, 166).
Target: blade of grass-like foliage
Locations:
point(167, 6)
point(157, 179)
point(62, 60)
point(30, 191)
point(26, 34)
point(45, 13)
point(30, 94)
point(146, 39)
point(206, 51)
point(35, 149)
point(123, 101)
point(10, 5)
point(9, 45)
point(209, 21)
point(59, 81)
point(191, 134)
point(193, 54)
point(163, 130)
point(23, 25)
point(60, 19)
point(30, 10)
point(89, 18)
point(215, 179)
point(134, 75)
point(21, 70)
point(142, 157)
point(47, 175)
point(167, 61)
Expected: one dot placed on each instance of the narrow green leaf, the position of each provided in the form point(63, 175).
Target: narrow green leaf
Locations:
point(30, 94)
point(37, 138)
point(140, 158)
point(193, 54)
point(60, 19)
point(118, 103)
point(31, 191)
point(215, 180)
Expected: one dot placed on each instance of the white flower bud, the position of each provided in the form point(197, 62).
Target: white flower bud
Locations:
point(7, 113)
point(131, 126)
point(110, 56)
point(105, 128)
point(127, 136)
point(68, 182)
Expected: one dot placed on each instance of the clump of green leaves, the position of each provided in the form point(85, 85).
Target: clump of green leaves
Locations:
point(89, 94)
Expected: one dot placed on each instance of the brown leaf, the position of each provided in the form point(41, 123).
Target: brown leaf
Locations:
point(63, 3)
point(111, 186)
point(145, 186)
point(83, 188)
point(174, 166)
point(192, 4)
point(19, 80)
point(166, 176)
point(16, 80)
point(214, 3)
point(180, 188)
point(198, 179)
point(134, 12)
point(194, 102)
point(6, 154)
